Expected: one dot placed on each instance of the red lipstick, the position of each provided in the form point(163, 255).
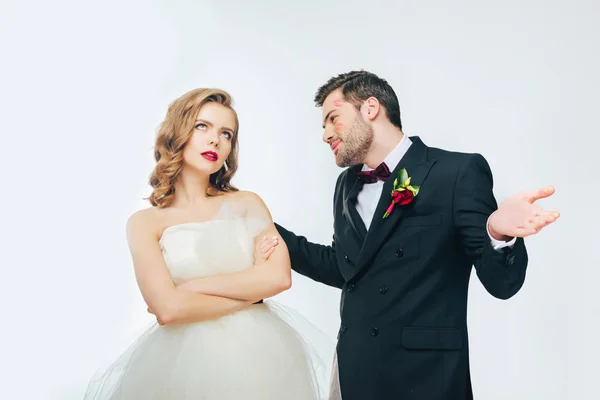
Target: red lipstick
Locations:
point(210, 156)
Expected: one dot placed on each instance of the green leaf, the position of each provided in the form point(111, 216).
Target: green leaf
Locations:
point(406, 182)
point(395, 182)
point(402, 175)
point(416, 190)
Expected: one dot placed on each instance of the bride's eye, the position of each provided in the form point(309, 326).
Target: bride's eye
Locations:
point(228, 134)
point(201, 126)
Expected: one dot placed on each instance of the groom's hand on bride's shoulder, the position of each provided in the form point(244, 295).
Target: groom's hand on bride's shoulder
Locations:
point(519, 216)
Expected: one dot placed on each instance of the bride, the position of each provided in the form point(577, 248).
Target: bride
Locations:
point(205, 256)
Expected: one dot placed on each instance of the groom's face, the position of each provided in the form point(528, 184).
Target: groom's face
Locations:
point(346, 131)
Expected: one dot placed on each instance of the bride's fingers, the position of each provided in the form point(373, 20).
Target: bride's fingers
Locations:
point(267, 246)
point(269, 252)
point(263, 244)
point(270, 243)
point(271, 247)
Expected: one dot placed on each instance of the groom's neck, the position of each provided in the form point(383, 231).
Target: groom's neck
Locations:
point(384, 142)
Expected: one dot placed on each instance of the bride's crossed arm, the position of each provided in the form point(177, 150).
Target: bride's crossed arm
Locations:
point(170, 304)
point(271, 273)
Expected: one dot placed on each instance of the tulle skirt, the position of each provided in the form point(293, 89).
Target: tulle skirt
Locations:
point(264, 352)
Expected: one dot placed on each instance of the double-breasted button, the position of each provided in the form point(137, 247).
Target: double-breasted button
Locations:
point(350, 287)
point(399, 253)
point(343, 328)
point(346, 257)
point(374, 331)
point(383, 289)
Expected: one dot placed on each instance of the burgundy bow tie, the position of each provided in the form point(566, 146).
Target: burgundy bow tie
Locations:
point(382, 172)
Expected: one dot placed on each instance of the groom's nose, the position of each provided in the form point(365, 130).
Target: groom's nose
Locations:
point(327, 135)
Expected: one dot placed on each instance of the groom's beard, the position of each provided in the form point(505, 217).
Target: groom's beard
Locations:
point(355, 144)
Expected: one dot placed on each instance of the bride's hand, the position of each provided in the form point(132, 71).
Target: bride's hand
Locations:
point(264, 248)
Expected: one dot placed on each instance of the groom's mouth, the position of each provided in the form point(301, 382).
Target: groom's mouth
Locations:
point(335, 145)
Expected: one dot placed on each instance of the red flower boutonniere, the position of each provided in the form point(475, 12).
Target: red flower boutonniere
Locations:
point(403, 193)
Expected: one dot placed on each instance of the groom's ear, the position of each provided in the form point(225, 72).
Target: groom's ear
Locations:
point(371, 108)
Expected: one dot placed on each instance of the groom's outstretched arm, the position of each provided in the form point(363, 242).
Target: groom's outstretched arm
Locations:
point(316, 261)
point(501, 271)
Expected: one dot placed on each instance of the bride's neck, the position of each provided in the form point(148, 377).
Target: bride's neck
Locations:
point(190, 189)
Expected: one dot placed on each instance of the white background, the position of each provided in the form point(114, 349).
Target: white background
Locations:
point(84, 87)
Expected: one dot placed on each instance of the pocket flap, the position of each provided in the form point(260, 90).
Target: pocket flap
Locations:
point(432, 338)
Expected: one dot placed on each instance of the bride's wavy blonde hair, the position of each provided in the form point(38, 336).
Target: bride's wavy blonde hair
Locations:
point(175, 132)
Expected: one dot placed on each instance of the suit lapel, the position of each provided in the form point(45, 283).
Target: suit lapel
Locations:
point(353, 187)
point(417, 165)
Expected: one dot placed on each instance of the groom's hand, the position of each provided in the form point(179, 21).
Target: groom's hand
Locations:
point(518, 216)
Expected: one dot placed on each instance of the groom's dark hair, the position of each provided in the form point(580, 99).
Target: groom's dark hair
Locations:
point(358, 86)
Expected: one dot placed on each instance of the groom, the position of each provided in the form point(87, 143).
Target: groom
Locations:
point(410, 221)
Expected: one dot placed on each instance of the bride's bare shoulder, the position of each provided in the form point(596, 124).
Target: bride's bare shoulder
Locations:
point(247, 198)
point(251, 203)
point(145, 221)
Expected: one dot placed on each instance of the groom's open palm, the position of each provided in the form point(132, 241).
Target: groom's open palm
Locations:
point(519, 216)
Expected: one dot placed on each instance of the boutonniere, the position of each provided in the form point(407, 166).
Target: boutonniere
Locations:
point(403, 193)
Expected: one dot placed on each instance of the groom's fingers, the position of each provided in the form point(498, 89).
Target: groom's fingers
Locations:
point(542, 193)
point(553, 213)
point(524, 231)
point(549, 214)
point(542, 220)
point(535, 224)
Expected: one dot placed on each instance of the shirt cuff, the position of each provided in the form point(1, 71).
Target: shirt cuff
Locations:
point(499, 244)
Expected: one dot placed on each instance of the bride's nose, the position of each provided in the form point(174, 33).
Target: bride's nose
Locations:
point(213, 141)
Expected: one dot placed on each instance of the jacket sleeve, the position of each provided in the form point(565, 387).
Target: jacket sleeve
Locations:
point(502, 272)
point(315, 261)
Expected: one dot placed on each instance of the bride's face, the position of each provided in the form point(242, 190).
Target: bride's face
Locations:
point(210, 144)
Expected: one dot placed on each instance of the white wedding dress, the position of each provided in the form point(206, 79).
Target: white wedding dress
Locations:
point(254, 354)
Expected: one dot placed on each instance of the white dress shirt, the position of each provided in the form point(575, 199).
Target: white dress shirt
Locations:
point(369, 195)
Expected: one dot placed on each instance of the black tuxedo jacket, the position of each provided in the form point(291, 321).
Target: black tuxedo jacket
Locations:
point(404, 282)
